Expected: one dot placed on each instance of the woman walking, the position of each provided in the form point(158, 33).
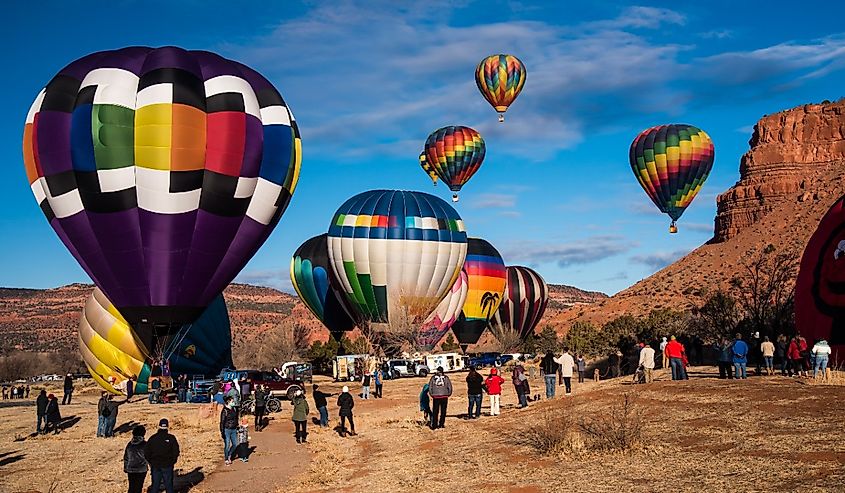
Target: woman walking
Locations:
point(300, 416)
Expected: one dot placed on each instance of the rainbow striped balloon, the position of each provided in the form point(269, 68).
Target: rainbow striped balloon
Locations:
point(486, 278)
point(671, 162)
point(500, 79)
point(455, 153)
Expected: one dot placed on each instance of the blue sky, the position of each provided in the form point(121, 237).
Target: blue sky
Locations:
point(368, 81)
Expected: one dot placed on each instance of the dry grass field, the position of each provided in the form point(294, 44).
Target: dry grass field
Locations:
point(762, 434)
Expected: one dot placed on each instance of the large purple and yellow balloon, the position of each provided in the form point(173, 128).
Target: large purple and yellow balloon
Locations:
point(162, 171)
point(671, 162)
point(500, 79)
point(455, 153)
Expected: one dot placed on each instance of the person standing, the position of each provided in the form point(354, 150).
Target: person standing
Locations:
point(663, 345)
point(675, 352)
point(162, 452)
point(102, 414)
point(378, 380)
point(440, 389)
point(53, 415)
point(740, 357)
point(300, 416)
point(68, 388)
point(474, 393)
point(767, 349)
point(781, 349)
point(821, 351)
point(647, 362)
point(130, 388)
point(796, 360)
point(549, 367)
point(582, 367)
point(494, 390)
point(27, 391)
point(804, 351)
point(111, 408)
point(345, 403)
point(154, 395)
point(321, 403)
point(425, 405)
point(365, 386)
point(215, 395)
point(41, 410)
point(567, 365)
point(134, 461)
point(725, 359)
point(614, 361)
point(260, 396)
point(519, 379)
point(182, 388)
point(229, 421)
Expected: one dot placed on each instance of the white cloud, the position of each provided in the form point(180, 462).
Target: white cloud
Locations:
point(585, 251)
point(493, 200)
point(273, 278)
point(660, 259)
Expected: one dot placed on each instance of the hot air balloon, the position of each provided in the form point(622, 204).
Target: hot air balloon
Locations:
point(446, 313)
point(525, 300)
point(395, 254)
point(820, 287)
point(113, 352)
point(314, 281)
point(162, 171)
point(455, 154)
point(486, 277)
point(427, 168)
point(671, 163)
point(500, 79)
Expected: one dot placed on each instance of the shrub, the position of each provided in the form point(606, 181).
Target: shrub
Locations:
point(554, 432)
point(618, 431)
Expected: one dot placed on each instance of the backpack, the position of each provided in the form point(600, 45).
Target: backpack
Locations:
point(106, 412)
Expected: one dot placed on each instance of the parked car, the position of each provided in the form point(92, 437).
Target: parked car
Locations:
point(277, 385)
point(448, 361)
point(297, 371)
point(488, 359)
point(397, 368)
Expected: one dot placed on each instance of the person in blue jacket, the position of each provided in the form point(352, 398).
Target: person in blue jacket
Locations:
point(425, 404)
point(740, 357)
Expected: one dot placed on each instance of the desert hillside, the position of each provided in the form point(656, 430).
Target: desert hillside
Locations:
point(789, 178)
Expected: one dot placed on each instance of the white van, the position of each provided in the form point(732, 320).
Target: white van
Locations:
point(449, 362)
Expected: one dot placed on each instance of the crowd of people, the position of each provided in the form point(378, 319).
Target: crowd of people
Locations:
point(15, 392)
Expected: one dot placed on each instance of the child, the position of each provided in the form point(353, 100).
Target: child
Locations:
point(243, 440)
point(134, 462)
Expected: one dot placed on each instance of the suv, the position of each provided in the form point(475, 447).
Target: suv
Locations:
point(278, 386)
point(396, 368)
point(489, 359)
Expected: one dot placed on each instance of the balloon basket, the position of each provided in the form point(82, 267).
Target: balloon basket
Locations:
point(455, 198)
point(673, 228)
point(501, 118)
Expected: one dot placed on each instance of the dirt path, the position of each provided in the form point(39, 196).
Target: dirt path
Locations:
point(274, 460)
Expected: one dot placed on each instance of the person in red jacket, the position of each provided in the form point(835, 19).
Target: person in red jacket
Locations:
point(796, 359)
point(493, 383)
point(675, 352)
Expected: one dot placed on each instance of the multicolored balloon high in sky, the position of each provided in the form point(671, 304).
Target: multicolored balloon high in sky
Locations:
point(162, 171)
point(396, 254)
point(427, 168)
point(486, 277)
point(671, 162)
point(820, 287)
point(455, 153)
point(525, 300)
point(315, 283)
point(500, 79)
point(112, 352)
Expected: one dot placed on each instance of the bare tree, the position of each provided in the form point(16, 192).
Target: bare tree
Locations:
point(283, 343)
point(401, 333)
point(764, 290)
point(508, 339)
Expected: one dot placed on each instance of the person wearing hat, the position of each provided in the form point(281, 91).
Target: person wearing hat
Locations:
point(134, 461)
point(300, 416)
point(440, 389)
point(494, 389)
point(68, 388)
point(345, 402)
point(162, 452)
point(321, 403)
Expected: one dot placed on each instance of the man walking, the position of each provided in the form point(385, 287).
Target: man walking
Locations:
point(567, 365)
point(440, 389)
point(162, 452)
point(740, 357)
point(675, 352)
point(549, 367)
point(647, 362)
point(68, 389)
point(474, 391)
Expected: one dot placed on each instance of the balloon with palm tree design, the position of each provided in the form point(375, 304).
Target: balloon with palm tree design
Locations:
point(486, 276)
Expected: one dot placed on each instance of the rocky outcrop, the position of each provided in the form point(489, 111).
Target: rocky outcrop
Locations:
point(789, 153)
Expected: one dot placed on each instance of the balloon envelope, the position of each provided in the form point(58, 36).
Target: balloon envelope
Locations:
point(486, 277)
point(820, 287)
point(455, 153)
point(111, 349)
point(446, 313)
point(525, 300)
point(316, 285)
point(671, 163)
point(427, 168)
point(162, 171)
point(500, 79)
point(395, 253)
